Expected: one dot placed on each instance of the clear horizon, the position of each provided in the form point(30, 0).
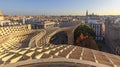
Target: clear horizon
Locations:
point(59, 7)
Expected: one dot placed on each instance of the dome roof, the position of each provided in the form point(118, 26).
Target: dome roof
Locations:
point(0, 13)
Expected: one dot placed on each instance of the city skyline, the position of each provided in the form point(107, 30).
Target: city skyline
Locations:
point(60, 7)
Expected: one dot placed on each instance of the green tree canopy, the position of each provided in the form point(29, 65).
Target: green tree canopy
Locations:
point(84, 29)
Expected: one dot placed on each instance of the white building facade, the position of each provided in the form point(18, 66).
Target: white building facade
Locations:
point(98, 26)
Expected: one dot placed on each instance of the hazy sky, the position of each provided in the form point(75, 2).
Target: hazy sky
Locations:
point(59, 7)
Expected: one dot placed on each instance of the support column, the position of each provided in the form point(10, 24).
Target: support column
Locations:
point(70, 38)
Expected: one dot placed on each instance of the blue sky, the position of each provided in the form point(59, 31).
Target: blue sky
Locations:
point(59, 7)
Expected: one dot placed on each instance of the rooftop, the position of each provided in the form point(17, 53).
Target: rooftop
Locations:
point(60, 56)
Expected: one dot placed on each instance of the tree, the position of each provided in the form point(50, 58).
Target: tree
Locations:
point(84, 36)
point(85, 30)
